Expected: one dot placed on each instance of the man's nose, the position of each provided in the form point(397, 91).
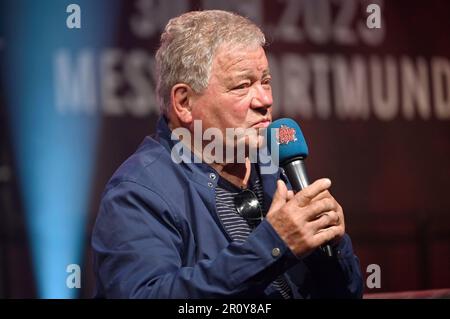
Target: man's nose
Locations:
point(262, 97)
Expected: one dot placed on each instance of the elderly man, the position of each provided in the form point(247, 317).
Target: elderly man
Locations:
point(169, 229)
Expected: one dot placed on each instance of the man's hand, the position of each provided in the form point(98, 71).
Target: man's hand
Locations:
point(308, 219)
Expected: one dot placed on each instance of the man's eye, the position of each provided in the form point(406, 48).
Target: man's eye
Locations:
point(267, 81)
point(242, 86)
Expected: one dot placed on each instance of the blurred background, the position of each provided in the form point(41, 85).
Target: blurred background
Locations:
point(77, 98)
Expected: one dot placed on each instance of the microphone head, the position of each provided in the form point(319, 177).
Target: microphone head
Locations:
point(287, 135)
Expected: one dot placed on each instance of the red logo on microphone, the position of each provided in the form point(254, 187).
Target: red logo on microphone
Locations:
point(285, 134)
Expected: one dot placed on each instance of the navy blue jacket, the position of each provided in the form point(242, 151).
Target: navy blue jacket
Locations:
point(157, 235)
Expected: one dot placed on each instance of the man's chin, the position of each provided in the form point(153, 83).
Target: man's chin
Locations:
point(245, 148)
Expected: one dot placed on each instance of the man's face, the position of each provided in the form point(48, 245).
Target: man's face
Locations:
point(239, 94)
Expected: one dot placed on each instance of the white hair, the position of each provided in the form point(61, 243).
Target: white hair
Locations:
point(188, 45)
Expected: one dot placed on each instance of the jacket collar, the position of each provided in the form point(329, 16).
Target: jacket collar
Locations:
point(197, 171)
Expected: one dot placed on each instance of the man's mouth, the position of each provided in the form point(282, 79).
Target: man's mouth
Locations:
point(262, 124)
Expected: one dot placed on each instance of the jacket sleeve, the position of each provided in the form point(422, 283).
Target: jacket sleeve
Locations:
point(140, 252)
point(336, 277)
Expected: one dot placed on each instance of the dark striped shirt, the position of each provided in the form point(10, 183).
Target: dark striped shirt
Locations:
point(237, 227)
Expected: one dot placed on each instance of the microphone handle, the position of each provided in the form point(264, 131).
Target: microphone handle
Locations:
point(295, 171)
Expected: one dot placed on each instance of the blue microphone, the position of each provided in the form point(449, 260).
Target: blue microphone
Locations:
point(285, 140)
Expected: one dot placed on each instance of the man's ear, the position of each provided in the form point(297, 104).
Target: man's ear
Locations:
point(181, 95)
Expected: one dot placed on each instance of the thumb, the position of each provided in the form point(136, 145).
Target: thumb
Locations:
point(280, 197)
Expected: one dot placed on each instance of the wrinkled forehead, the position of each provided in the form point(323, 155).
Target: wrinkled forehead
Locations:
point(240, 59)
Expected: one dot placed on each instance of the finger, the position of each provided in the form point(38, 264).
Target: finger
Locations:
point(321, 195)
point(325, 220)
point(305, 196)
point(290, 195)
point(316, 209)
point(326, 235)
point(340, 212)
point(280, 197)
